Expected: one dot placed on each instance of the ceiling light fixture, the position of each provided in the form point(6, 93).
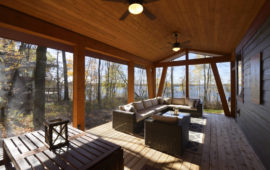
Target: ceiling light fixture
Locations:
point(135, 8)
point(176, 47)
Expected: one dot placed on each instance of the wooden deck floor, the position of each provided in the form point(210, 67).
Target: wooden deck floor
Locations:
point(224, 147)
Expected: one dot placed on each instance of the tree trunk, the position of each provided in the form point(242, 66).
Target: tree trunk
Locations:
point(99, 85)
point(40, 73)
point(66, 97)
point(57, 78)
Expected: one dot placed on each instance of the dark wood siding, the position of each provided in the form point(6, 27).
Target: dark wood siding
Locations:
point(254, 119)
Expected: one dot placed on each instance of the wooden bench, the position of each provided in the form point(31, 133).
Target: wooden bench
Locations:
point(85, 151)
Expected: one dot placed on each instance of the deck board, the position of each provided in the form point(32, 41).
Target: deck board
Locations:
point(224, 147)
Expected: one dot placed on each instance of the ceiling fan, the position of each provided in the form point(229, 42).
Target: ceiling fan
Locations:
point(176, 46)
point(136, 7)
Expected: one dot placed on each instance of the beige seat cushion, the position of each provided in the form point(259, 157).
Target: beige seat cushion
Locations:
point(180, 101)
point(184, 107)
point(165, 119)
point(160, 108)
point(138, 106)
point(147, 103)
point(144, 114)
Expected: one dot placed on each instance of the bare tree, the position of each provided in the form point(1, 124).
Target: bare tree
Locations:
point(40, 73)
point(66, 96)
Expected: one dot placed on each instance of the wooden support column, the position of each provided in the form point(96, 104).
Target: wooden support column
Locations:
point(150, 82)
point(233, 86)
point(162, 81)
point(79, 87)
point(154, 81)
point(130, 82)
point(187, 76)
point(220, 89)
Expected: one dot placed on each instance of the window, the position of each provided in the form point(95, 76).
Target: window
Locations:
point(175, 82)
point(140, 84)
point(36, 84)
point(105, 90)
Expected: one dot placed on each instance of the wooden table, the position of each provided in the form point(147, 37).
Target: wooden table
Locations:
point(85, 151)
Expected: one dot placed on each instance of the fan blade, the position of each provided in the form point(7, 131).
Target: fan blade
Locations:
point(124, 16)
point(185, 42)
point(149, 1)
point(121, 1)
point(148, 13)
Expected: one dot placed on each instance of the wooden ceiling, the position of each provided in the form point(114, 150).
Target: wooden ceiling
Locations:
point(210, 25)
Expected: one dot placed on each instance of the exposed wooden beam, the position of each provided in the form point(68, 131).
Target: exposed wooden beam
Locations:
point(150, 82)
point(154, 81)
point(162, 81)
point(20, 22)
point(258, 21)
point(207, 52)
point(171, 56)
point(220, 89)
point(196, 61)
point(233, 86)
point(79, 87)
point(130, 82)
point(187, 75)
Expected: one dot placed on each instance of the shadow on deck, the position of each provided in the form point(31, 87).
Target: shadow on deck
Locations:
point(223, 146)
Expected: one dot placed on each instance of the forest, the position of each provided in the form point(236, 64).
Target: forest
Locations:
point(37, 82)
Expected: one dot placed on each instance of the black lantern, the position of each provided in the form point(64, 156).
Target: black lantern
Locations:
point(56, 133)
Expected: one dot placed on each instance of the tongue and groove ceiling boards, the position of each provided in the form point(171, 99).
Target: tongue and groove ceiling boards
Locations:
point(210, 25)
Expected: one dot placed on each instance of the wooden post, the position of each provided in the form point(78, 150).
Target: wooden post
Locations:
point(162, 80)
point(79, 87)
point(154, 81)
point(130, 82)
point(187, 76)
point(233, 85)
point(220, 89)
point(150, 82)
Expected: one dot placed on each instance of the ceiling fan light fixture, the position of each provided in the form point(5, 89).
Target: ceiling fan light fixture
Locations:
point(176, 47)
point(135, 8)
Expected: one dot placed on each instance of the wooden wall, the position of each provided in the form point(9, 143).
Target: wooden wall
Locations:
point(254, 119)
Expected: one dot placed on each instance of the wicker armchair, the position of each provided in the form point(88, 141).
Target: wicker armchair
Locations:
point(167, 137)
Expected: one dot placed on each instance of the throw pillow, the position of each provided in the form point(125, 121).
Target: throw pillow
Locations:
point(160, 100)
point(165, 119)
point(122, 108)
point(154, 102)
point(129, 108)
point(191, 102)
point(138, 105)
point(147, 103)
point(167, 101)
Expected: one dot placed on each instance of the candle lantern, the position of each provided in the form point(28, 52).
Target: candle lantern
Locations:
point(56, 133)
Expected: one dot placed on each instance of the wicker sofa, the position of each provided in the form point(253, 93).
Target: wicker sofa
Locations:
point(130, 118)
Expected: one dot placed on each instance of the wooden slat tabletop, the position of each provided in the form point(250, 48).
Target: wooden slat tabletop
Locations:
point(28, 151)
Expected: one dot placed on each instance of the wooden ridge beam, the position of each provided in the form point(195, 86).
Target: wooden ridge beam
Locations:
point(162, 81)
point(130, 82)
point(18, 21)
point(196, 61)
point(220, 89)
